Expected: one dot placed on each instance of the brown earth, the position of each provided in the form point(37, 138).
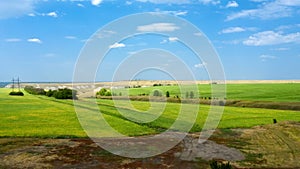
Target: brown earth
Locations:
point(269, 146)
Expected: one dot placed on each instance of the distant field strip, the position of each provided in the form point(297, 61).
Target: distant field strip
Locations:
point(285, 92)
point(41, 116)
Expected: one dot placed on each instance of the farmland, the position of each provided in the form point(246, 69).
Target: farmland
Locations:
point(285, 92)
point(41, 116)
point(51, 124)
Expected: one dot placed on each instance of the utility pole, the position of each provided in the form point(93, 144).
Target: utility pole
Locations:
point(19, 84)
point(13, 86)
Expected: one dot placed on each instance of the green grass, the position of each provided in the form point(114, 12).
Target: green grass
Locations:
point(288, 92)
point(233, 117)
point(37, 116)
point(41, 116)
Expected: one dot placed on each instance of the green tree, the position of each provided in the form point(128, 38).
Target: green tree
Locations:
point(187, 95)
point(167, 94)
point(156, 93)
point(191, 94)
point(102, 92)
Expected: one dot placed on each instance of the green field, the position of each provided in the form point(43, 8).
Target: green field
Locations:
point(41, 116)
point(286, 92)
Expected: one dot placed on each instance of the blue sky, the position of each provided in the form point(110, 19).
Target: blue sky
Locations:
point(40, 40)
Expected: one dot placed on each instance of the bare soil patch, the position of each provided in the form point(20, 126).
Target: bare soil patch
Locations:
point(269, 146)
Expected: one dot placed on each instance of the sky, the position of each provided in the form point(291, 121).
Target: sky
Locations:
point(41, 40)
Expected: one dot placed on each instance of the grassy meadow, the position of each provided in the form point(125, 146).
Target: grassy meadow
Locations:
point(284, 92)
point(41, 116)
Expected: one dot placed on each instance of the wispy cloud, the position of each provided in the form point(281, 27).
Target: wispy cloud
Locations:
point(268, 10)
point(34, 40)
point(280, 49)
point(267, 57)
point(70, 37)
point(166, 1)
point(105, 34)
point(200, 65)
point(173, 39)
point(198, 34)
point(117, 45)
point(232, 4)
point(49, 55)
point(176, 13)
point(170, 39)
point(96, 2)
point(207, 2)
point(52, 14)
point(13, 40)
point(232, 30)
point(179, 2)
point(158, 27)
point(31, 14)
point(80, 5)
point(271, 38)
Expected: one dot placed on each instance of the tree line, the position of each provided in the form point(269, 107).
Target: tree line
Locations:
point(58, 94)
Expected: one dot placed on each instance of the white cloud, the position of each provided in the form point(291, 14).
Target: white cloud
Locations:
point(267, 57)
point(166, 1)
point(232, 4)
point(34, 40)
point(117, 45)
point(50, 55)
point(96, 2)
point(128, 2)
point(71, 37)
point(272, 38)
point(176, 13)
point(158, 27)
point(15, 8)
point(170, 39)
point(198, 34)
point(52, 14)
point(80, 5)
point(207, 2)
point(268, 10)
point(173, 39)
point(232, 30)
point(281, 49)
point(13, 40)
point(179, 2)
point(31, 14)
point(258, 0)
point(105, 34)
point(200, 65)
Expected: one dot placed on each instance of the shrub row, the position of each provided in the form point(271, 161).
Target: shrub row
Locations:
point(34, 90)
point(58, 94)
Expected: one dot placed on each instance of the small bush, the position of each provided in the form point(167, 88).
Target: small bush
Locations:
point(104, 92)
point(157, 93)
point(167, 94)
point(215, 165)
point(64, 94)
point(16, 93)
point(157, 84)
